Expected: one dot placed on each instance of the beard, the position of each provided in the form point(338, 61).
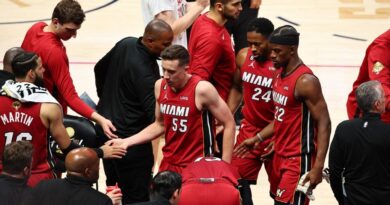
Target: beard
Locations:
point(229, 17)
point(261, 58)
point(39, 82)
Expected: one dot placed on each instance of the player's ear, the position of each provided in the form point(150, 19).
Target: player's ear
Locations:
point(219, 6)
point(31, 74)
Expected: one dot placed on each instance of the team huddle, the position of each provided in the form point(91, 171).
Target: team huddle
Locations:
point(203, 80)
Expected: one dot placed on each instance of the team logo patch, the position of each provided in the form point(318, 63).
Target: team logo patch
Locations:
point(279, 192)
point(252, 64)
point(16, 105)
point(378, 66)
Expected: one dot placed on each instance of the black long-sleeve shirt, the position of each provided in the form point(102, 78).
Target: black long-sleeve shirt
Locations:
point(360, 153)
point(125, 79)
point(72, 190)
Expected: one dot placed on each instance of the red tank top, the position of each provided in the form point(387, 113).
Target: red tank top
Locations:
point(294, 127)
point(21, 121)
point(257, 79)
point(184, 136)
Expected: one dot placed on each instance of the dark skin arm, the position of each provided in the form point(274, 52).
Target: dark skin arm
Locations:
point(308, 88)
point(235, 95)
point(250, 143)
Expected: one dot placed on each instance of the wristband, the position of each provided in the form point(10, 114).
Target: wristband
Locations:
point(99, 152)
point(259, 137)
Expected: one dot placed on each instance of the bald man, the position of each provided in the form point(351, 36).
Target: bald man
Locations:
point(6, 73)
point(82, 165)
point(125, 79)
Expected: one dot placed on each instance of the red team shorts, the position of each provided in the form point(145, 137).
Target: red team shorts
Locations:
point(218, 192)
point(165, 165)
point(288, 171)
point(250, 165)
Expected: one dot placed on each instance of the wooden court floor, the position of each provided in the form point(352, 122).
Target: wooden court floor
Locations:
point(334, 36)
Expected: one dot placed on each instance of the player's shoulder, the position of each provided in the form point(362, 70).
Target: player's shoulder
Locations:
point(204, 86)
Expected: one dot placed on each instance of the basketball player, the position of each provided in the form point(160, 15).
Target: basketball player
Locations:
point(253, 84)
point(209, 180)
point(301, 123)
point(46, 41)
point(28, 111)
point(211, 49)
point(182, 99)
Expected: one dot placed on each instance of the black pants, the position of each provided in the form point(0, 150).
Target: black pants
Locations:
point(132, 172)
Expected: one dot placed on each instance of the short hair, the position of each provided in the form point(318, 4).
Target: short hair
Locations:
point(285, 35)
point(176, 52)
point(261, 25)
point(17, 156)
point(9, 56)
point(23, 62)
point(164, 184)
point(68, 11)
point(367, 94)
point(155, 28)
point(212, 2)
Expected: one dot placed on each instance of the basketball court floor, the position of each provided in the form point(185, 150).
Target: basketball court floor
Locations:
point(334, 36)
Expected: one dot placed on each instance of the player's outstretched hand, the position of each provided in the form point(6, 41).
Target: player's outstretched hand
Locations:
point(117, 142)
point(268, 151)
point(243, 149)
point(113, 151)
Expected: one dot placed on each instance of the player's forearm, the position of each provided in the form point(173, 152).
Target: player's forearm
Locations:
point(181, 24)
point(148, 134)
point(324, 129)
point(228, 141)
point(96, 117)
point(266, 132)
point(234, 99)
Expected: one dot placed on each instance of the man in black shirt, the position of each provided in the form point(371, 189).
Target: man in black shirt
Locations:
point(82, 166)
point(16, 163)
point(125, 79)
point(359, 160)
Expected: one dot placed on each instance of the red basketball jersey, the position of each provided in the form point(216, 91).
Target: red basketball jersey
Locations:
point(22, 121)
point(211, 168)
point(209, 181)
point(184, 131)
point(257, 79)
point(294, 127)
